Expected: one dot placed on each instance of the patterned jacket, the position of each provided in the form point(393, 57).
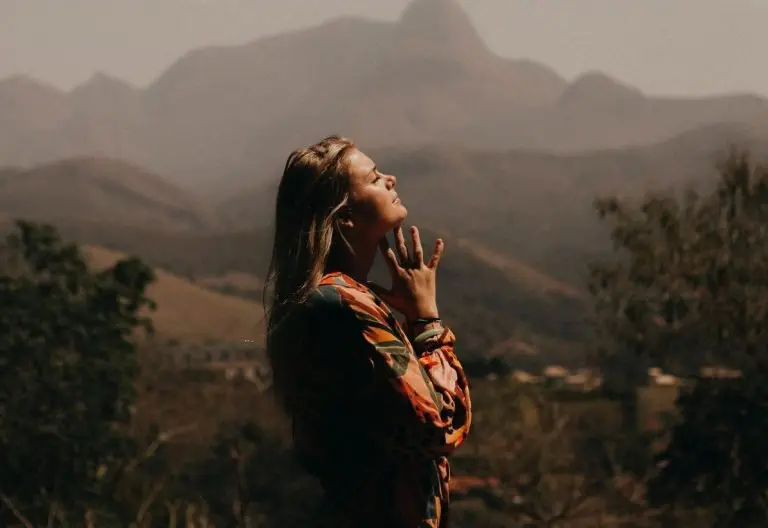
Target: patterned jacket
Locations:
point(376, 411)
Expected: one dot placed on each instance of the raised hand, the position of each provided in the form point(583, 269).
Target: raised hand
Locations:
point(414, 285)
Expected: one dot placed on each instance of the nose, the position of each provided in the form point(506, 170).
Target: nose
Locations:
point(392, 181)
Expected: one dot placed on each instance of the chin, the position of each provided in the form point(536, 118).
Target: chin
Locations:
point(396, 218)
point(403, 215)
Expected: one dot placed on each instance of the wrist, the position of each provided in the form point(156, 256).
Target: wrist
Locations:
point(423, 318)
point(424, 330)
point(424, 311)
point(425, 321)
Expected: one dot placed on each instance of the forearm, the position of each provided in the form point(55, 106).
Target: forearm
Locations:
point(434, 347)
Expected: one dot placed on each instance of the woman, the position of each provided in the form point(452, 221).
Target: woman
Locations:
point(376, 405)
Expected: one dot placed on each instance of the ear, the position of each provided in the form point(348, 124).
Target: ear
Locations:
point(345, 219)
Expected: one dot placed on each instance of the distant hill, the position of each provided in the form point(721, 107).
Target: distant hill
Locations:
point(189, 313)
point(101, 190)
point(538, 207)
point(518, 224)
point(519, 272)
point(530, 206)
point(190, 254)
point(224, 118)
point(488, 299)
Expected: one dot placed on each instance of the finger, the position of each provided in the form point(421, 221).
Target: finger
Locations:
point(435, 259)
point(389, 256)
point(402, 249)
point(418, 251)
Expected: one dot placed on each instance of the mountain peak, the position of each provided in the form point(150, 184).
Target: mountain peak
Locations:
point(104, 91)
point(25, 83)
point(597, 88)
point(100, 81)
point(440, 28)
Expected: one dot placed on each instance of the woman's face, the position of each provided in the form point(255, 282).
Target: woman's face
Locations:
point(375, 208)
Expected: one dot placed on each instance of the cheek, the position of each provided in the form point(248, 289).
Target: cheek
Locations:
point(388, 211)
point(376, 211)
point(372, 206)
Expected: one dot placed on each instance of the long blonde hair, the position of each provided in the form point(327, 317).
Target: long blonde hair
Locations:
point(313, 189)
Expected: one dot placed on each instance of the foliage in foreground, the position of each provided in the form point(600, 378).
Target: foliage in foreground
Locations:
point(689, 289)
point(67, 371)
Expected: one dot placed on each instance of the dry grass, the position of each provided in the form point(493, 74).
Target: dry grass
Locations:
point(190, 313)
point(244, 282)
point(518, 271)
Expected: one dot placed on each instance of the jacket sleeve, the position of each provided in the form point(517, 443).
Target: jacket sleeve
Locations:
point(421, 402)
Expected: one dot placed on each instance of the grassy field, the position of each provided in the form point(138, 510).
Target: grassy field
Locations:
point(189, 312)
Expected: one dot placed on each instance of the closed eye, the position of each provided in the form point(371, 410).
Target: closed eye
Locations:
point(376, 174)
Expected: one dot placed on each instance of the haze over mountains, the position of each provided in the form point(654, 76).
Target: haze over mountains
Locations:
point(99, 189)
point(501, 157)
point(224, 117)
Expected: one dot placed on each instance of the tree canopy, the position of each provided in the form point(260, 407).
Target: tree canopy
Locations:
point(67, 369)
point(688, 288)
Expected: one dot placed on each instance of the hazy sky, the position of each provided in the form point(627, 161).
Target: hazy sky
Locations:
point(660, 46)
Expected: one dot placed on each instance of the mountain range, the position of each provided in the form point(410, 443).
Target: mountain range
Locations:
point(533, 205)
point(500, 157)
point(518, 227)
point(223, 118)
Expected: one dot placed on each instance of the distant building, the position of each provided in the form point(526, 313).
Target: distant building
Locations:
point(188, 355)
point(555, 371)
point(584, 379)
point(521, 376)
point(555, 376)
point(716, 372)
point(666, 380)
point(244, 359)
point(658, 377)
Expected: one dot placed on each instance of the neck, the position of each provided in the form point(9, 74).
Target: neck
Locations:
point(356, 265)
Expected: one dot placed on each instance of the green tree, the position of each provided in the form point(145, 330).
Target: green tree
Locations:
point(688, 288)
point(67, 372)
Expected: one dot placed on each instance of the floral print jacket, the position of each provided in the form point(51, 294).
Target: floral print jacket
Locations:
point(376, 410)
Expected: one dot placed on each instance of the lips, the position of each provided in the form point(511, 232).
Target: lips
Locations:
point(396, 199)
